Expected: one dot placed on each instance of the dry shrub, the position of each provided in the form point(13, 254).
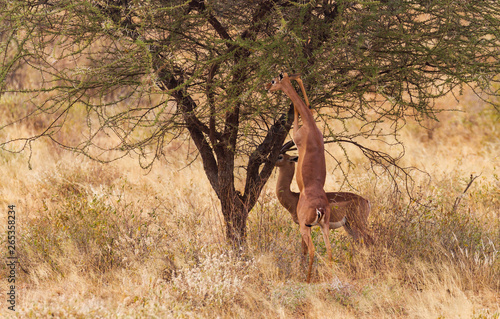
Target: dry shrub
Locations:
point(430, 230)
point(274, 239)
point(216, 279)
point(86, 233)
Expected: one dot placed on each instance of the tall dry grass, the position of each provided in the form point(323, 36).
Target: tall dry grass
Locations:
point(114, 241)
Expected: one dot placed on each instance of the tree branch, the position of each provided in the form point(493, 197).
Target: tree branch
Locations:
point(266, 153)
point(195, 127)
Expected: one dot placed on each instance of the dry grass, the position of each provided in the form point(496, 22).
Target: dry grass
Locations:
point(109, 241)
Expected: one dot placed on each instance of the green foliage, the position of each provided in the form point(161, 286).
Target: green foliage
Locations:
point(124, 62)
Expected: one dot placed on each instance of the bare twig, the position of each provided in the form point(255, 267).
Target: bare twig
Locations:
point(459, 198)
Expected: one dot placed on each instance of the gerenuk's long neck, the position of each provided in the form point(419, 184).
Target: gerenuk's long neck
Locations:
point(284, 181)
point(286, 197)
point(299, 104)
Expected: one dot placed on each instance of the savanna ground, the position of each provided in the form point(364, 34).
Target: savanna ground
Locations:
point(113, 241)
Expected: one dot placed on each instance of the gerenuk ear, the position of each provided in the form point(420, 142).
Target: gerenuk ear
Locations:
point(294, 76)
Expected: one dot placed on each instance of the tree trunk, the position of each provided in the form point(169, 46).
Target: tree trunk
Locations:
point(235, 215)
point(217, 150)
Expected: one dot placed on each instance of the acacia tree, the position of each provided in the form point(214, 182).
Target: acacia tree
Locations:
point(146, 71)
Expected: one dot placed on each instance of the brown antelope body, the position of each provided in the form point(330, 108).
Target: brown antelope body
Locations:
point(312, 207)
point(347, 209)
